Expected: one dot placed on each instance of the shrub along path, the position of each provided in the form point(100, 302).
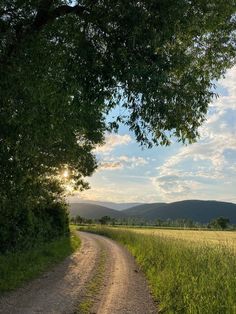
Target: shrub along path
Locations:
point(74, 285)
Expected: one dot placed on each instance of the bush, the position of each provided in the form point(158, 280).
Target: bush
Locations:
point(19, 267)
point(24, 228)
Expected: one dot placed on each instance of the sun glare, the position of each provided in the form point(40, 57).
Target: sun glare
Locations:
point(66, 174)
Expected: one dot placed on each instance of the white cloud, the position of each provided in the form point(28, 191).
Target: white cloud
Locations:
point(207, 159)
point(228, 83)
point(114, 163)
point(111, 165)
point(174, 187)
point(112, 141)
point(133, 162)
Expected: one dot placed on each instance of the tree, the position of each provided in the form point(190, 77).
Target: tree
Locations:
point(65, 66)
point(220, 222)
point(105, 220)
point(79, 219)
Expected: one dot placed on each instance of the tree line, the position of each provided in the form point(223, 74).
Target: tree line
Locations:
point(219, 223)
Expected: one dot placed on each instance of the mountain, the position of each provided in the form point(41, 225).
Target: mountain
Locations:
point(196, 210)
point(93, 211)
point(141, 210)
point(112, 205)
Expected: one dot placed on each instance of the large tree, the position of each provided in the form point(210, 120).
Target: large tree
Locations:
point(66, 65)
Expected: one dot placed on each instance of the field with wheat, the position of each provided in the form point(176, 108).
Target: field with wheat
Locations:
point(200, 237)
point(188, 271)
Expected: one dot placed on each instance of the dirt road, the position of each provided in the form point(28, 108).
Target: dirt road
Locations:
point(122, 290)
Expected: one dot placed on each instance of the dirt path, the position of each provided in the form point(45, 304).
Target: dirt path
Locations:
point(124, 289)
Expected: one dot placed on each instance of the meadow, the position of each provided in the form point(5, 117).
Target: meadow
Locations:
point(188, 271)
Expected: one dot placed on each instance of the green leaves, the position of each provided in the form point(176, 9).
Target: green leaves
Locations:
point(65, 67)
point(163, 55)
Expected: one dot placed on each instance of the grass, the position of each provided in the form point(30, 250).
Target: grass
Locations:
point(18, 268)
point(225, 238)
point(93, 287)
point(184, 277)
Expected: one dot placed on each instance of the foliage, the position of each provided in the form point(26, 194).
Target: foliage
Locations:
point(220, 223)
point(184, 277)
point(65, 66)
point(19, 267)
point(23, 228)
point(78, 219)
point(81, 220)
point(105, 220)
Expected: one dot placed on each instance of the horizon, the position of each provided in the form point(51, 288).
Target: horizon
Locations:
point(87, 201)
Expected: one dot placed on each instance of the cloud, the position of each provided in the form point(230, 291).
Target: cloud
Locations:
point(111, 166)
point(112, 141)
point(132, 162)
point(227, 83)
point(205, 164)
point(173, 187)
point(120, 162)
point(124, 191)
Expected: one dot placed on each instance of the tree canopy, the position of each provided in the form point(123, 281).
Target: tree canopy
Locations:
point(219, 223)
point(66, 65)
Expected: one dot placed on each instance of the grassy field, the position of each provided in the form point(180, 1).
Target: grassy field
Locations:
point(184, 276)
point(221, 238)
point(17, 268)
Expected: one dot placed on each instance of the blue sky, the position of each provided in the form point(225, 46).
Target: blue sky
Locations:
point(203, 170)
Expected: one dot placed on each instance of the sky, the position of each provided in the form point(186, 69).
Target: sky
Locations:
point(204, 170)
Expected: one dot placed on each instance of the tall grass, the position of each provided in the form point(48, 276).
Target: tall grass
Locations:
point(19, 267)
point(184, 277)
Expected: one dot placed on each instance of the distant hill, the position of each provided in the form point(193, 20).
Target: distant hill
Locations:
point(196, 210)
point(112, 205)
point(141, 210)
point(93, 211)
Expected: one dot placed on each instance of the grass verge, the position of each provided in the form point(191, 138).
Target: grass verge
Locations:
point(17, 268)
point(184, 277)
point(93, 287)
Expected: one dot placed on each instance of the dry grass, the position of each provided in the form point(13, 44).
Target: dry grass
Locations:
point(224, 238)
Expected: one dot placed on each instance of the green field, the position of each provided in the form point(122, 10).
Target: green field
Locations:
point(188, 271)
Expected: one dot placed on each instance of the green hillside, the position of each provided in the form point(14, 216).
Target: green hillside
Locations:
point(196, 210)
point(93, 211)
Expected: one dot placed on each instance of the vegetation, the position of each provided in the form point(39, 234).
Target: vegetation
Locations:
point(105, 220)
point(195, 236)
point(19, 267)
point(25, 227)
point(93, 287)
point(184, 278)
point(220, 223)
point(187, 214)
point(80, 220)
point(66, 65)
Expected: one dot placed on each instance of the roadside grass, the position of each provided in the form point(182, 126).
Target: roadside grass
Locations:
point(19, 267)
point(184, 277)
point(93, 287)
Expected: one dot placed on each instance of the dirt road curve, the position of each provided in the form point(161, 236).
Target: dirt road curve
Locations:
point(124, 289)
